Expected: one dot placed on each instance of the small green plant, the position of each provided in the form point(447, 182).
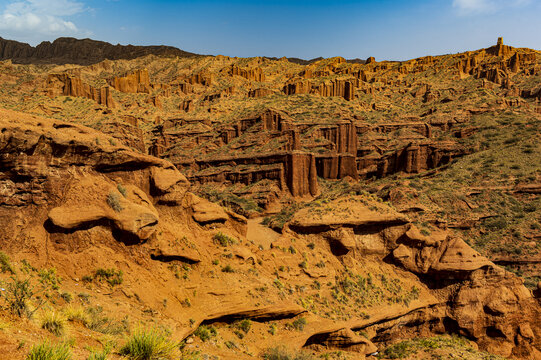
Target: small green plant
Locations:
point(48, 277)
point(244, 325)
point(112, 276)
point(122, 190)
point(5, 264)
point(113, 200)
point(99, 322)
point(223, 239)
point(273, 329)
point(98, 356)
point(149, 345)
point(228, 269)
point(53, 322)
point(298, 324)
point(66, 296)
point(206, 332)
point(18, 293)
point(48, 351)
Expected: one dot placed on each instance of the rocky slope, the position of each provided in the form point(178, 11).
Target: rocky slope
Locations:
point(375, 179)
point(76, 51)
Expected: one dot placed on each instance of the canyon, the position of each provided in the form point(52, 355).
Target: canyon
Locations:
point(337, 207)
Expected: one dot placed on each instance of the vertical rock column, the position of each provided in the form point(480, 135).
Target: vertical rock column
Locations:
point(300, 174)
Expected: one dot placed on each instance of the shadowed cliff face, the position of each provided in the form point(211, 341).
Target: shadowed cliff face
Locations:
point(82, 52)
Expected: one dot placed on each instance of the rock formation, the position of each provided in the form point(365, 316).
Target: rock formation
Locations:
point(64, 84)
point(75, 51)
point(134, 82)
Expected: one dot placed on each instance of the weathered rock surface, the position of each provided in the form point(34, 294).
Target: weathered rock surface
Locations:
point(93, 200)
point(64, 84)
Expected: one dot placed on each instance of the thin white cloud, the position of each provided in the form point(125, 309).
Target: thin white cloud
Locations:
point(33, 20)
point(474, 7)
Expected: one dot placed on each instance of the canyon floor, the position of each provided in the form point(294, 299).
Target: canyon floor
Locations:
point(240, 208)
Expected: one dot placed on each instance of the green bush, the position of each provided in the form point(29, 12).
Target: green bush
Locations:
point(48, 351)
point(48, 277)
point(17, 294)
point(228, 269)
point(112, 276)
point(205, 332)
point(121, 189)
point(5, 264)
point(113, 200)
point(298, 324)
point(244, 325)
point(223, 239)
point(149, 345)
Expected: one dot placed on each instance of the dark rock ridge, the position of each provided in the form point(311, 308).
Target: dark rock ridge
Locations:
point(79, 51)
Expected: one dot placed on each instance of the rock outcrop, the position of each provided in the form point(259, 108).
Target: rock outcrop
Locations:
point(94, 200)
point(75, 51)
point(134, 82)
point(64, 84)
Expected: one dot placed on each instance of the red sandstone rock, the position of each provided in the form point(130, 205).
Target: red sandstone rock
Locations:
point(64, 84)
point(134, 82)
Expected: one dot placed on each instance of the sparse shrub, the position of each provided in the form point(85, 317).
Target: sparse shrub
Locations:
point(98, 356)
point(48, 277)
point(298, 324)
point(273, 329)
point(113, 200)
point(84, 297)
point(282, 353)
point(112, 276)
point(76, 314)
point(410, 347)
point(149, 345)
point(48, 351)
point(303, 265)
point(53, 322)
point(66, 296)
point(277, 221)
point(228, 269)
point(223, 239)
point(205, 332)
point(5, 264)
point(278, 284)
point(18, 292)
point(244, 325)
point(103, 324)
point(121, 189)
point(495, 223)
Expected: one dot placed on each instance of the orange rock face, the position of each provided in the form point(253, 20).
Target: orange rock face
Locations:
point(135, 82)
point(63, 84)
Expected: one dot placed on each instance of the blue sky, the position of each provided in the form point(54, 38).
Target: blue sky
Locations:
point(388, 30)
